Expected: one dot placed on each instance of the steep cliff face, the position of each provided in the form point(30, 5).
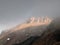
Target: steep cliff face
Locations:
point(33, 27)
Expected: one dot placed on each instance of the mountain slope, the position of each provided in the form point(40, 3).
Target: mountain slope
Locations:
point(22, 32)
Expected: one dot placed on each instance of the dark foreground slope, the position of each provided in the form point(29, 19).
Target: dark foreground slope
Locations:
point(27, 34)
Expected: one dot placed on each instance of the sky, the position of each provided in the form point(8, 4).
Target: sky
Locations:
point(14, 12)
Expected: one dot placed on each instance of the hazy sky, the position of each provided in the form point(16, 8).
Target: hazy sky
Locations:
point(13, 12)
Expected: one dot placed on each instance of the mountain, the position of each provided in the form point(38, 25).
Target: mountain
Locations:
point(19, 33)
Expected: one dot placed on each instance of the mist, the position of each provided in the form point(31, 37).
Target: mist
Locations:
point(14, 12)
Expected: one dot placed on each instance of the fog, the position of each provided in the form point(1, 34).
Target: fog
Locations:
point(13, 12)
